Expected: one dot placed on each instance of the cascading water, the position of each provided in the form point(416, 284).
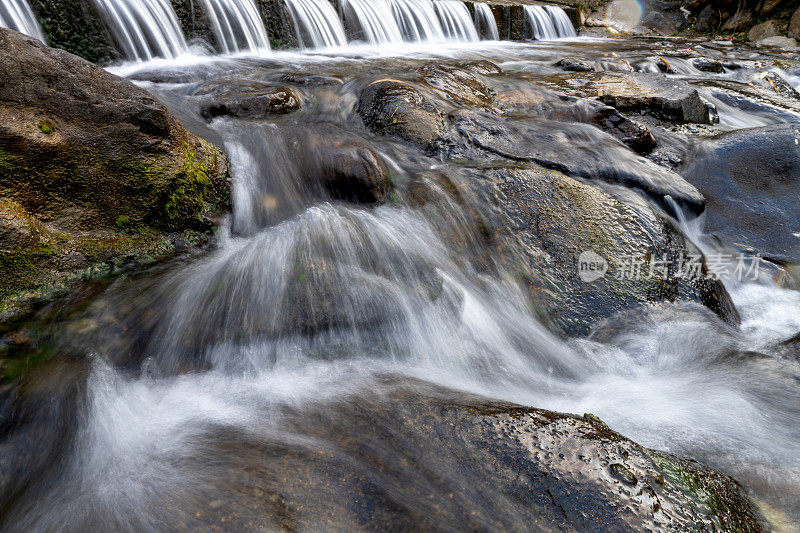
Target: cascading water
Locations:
point(316, 23)
point(548, 22)
point(455, 19)
point(237, 25)
point(17, 15)
point(372, 20)
point(417, 20)
point(143, 29)
point(485, 22)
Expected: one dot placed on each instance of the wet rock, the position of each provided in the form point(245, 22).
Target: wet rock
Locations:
point(576, 64)
point(345, 166)
point(575, 149)
point(752, 198)
point(258, 102)
point(775, 82)
point(770, 28)
point(460, 85)
point(93, 167)
point(311, 80)
point(541, 224)
point(667, 99)
point(468, 462)
point(708, 65)
point(391, 107)
point(483, 66)
point(614, 65)
point(777, 42)
point(622, 473)
point(634, 135)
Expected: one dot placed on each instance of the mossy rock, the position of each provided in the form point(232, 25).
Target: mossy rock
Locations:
point(95, 174)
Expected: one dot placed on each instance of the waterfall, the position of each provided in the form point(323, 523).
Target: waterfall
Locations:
point(374, 19)
point(417, 20)
point(144, 29)
point(455, 19)
point(237, 25)
point(549, 22)
point(17, 15)
point(485, 22)
point(316, 23)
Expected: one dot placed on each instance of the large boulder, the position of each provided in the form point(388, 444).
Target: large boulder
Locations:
point(751, 179)
point(665, 98)
point(93, 170)
point(770, 28)
point(794, 25)
point(541, 225)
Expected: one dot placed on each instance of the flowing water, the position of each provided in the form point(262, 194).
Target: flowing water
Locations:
point(17, 15)
point(485, 22)
point(548, 23)
point(237, 25)
point(143, 29)
point(307, 300)
point(316, 23)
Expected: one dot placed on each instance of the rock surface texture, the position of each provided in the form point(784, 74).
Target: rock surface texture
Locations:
point(94, 172)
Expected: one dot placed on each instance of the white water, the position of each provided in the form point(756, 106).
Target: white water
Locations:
point(548, 23)
point(485, 22)
point(417, 20)
point(316, 24)
point(17, 15)
point(143, 29)
point(237, 25)
point(455, 19)
point(374, 19)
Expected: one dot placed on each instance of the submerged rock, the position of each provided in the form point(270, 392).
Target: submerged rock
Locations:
point(391, 107)
point(652, 92)
point(94, 172)
point(408, 455)
point(751, 178)
point(257, 101)
point(458, 84)
point(576, 149)
point(542, 225)
point(345, 167)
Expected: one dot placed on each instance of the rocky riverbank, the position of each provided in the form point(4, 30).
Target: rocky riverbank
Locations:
point(418, 217)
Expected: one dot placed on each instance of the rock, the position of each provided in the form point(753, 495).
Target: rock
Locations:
point(254, 101)
point(752, 199)
point(539, 224)
point(777, 42)
point(311, 80)
point(742, 19)
point(458, 84)
point(770, 28)
point(391, 107)
point(578, 150)
point(481, 66)
point(576, 64)
point(794, 25)
point(346, 168)
point(652, 92)
point(708, 65)
point(775, 82)
point(634, 135)
point(705, 20)
point(614, 65)
point(91, 165)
